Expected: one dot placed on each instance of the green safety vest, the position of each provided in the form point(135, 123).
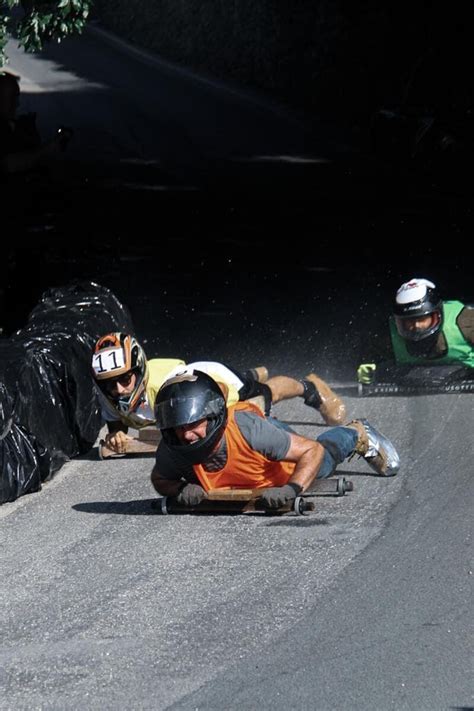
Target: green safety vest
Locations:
point(459, 350)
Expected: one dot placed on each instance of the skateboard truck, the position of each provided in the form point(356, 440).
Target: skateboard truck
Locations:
point(240, 501)
point(224, 505)
point(330, 487)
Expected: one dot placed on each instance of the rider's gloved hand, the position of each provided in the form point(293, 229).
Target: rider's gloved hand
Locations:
point(366, 373)
point(278, 496)
point(191, 495)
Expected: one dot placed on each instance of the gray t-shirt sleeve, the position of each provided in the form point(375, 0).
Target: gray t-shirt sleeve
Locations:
point(263, 436)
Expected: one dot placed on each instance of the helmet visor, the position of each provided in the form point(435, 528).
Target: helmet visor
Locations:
point(178, 411)
point(415, 328)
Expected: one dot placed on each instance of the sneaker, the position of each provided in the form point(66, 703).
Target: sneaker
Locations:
point(330, 406)
point(377, 449)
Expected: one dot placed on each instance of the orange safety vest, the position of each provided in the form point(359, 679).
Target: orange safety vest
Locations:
point(245, 468)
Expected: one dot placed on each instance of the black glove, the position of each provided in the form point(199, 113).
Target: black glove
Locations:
point(278, 496)
point(191, 495)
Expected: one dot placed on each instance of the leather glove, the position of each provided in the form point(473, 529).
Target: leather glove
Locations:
point(366, 373)
point(191, 495)
point(278, 496)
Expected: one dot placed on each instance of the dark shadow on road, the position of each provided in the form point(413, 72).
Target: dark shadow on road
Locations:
point(306, 521)
point(137, 507)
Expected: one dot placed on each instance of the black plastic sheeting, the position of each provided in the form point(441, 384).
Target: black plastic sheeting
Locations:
point(49, 411)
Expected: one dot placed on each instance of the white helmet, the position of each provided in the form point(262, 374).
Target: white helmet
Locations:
point(418, 298)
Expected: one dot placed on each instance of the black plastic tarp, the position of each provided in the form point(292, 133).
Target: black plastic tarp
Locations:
point(49, 410)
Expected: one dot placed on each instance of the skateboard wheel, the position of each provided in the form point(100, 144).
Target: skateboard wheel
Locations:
point(344, 485)
point(301, 507)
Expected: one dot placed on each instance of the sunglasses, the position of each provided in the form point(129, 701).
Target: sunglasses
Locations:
point(125, 379)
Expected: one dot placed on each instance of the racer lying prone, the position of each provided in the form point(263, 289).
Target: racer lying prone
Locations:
point(127, 384)
point(432, 343)
point(208, 445)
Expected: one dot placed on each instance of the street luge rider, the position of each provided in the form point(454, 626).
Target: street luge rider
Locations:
point(207, 444)
point(424, 330)
point(128, 383)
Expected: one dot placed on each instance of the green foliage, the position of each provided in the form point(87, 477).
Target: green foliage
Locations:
point(41, 21)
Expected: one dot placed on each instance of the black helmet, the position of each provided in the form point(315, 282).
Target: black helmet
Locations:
point(418, 298)
point(188, 398)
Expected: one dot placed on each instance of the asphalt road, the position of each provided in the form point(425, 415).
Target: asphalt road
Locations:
point(364, 604)
point(128, 103)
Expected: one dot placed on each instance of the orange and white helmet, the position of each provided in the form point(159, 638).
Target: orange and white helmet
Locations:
point(116, 356)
